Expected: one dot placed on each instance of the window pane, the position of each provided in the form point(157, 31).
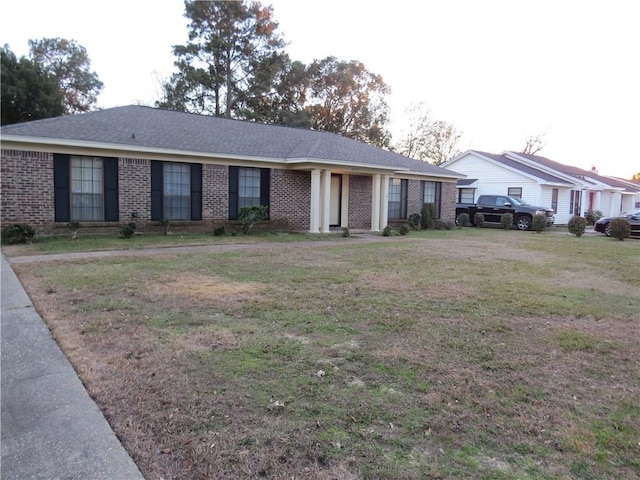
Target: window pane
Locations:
point(467, 195)
point(396, 202)
point(177, 191)
point(87, 184)
point(514, 192)
point(249, 187)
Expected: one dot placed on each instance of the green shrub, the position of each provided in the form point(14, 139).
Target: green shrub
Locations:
point(539, 222)
point(249, 216)
point(577, 225)
point(620, 228)
point(387, 231)
point(403, 229)
point(345, 232)
point(74, 226)
point(428, 215)
point(462, 220)
point(478, 219)
point(17, 233)
point(592, 216)
point(415, 220)
point(166, 224)
point(443, 225)
point(506, 221)
point(127, 231)
point(218, 231)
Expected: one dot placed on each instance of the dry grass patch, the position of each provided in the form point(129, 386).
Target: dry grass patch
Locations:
point(208, 366)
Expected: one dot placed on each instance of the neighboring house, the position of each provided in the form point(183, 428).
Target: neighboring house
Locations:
point(543, 182)
point(141, 164)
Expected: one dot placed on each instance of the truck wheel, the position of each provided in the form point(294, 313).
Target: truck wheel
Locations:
point(524, 222)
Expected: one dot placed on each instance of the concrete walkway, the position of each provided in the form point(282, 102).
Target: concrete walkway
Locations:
point(51, 428)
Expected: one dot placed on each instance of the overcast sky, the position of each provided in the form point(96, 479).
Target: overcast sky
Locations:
point(499, 70)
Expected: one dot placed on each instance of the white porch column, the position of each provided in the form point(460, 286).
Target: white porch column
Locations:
point(344, 202)
point(325, 200)
point(384, 201)
point(584, 198)
point(597, 200)
point(375, 203)
point(314, 221)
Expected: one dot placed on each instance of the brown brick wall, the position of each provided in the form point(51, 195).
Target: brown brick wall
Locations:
point(360, 191)
point(448, 207)
point(134, 186)
point(414, 197)
point(26, 188)
point(290, 199)
point(27, 194)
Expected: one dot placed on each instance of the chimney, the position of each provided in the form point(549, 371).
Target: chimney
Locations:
point(594, 170)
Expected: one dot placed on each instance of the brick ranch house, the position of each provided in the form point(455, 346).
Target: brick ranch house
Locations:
point(140, 164)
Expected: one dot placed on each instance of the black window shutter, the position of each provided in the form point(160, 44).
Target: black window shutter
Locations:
point(61, 188)
point(196, 191)
point(156, 190)
point(111, 207)
point(265, 184)
point(403, 198)
point(234, 183)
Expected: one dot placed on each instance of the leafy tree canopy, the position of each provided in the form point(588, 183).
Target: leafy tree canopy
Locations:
point(28, 91)
point(346, 98)
point(230, 62)
point(234, 65)
point(69, 63)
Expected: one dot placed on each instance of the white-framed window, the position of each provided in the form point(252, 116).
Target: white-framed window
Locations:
point(176, 191)
point(514, 192)
point(87, 189)
point(466, 195)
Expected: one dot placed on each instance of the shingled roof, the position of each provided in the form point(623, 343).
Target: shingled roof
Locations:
point(523, 168)
point(155, 129)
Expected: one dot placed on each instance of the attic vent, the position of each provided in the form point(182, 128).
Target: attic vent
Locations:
point(135, 161)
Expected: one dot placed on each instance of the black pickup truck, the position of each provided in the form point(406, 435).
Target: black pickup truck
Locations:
point(493, 206)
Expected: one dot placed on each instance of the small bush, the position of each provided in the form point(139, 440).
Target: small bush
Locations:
point(218, 231)
point(443, 225)
point(577, 225)
point(74, 226)
point(345, 232)
point(428, 215)
point(403, 229)
point(17, 233)
point(415, 220)
point(506, 221)
point(166, 224)
point(592, 216)
point(387, 231)
point(127, 231)
point(478, 219)
point(462, 220)
point(539, 222)
point(620, 228)
point(249, 216)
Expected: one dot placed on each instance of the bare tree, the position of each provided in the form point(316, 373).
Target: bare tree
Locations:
point(428, 139)
point(534, 144)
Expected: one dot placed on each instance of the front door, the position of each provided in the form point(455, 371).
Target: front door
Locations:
point(335, 204)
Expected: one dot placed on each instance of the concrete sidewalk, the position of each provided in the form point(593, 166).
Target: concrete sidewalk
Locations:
point(51, 428)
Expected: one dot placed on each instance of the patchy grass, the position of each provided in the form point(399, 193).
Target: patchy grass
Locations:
point(459, 354)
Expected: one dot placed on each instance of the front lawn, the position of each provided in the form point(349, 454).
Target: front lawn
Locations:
point(456, 354)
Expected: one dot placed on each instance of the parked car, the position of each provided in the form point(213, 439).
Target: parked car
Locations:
point(494, 206)
point(632, 216)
